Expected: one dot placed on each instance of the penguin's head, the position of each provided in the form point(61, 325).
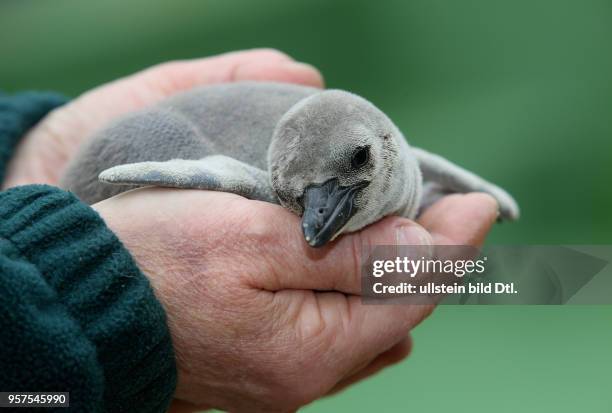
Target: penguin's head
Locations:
point(335, 159)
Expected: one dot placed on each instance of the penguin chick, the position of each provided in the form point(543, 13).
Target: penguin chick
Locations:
point(329, 156)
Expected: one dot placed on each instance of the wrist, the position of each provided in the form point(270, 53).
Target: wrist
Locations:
point(18, 114)
point(133, 235)
point(102, 290)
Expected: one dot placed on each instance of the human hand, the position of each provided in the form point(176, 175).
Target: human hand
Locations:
point(259, 320)
point(43, 154)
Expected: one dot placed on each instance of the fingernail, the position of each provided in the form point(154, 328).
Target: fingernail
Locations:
point(412, 235)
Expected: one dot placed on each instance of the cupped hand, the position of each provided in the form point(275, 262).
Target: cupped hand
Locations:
point(45, 151)
point(260, 321)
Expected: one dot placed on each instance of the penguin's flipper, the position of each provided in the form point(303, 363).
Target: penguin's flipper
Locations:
point(442, 177)
point(215, 173)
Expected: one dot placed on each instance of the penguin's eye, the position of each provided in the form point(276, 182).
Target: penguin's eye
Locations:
point(360, 157)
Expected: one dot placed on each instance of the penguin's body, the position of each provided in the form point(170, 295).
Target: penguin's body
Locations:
point(234, 119)
point(330, 156)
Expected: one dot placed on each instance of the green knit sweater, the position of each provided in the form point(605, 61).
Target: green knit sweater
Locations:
point(76, 314)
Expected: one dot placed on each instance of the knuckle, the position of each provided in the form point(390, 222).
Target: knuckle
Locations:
point(167, 77)
point(268, 225)
point(257, 224)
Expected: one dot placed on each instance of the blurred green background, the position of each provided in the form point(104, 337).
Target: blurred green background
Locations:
point(518, 91)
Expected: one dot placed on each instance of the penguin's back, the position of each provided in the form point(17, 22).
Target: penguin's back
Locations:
point(238, 119)
point(232, 119)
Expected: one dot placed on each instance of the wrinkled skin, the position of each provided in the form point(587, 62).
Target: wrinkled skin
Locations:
point(261, 322)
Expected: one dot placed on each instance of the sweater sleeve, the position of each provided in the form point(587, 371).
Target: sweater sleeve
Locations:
point(76, 314)
point(19, 113)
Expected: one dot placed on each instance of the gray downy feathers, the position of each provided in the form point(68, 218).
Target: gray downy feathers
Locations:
point(327, 155)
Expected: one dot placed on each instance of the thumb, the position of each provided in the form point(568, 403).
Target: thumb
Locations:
point(336, 266)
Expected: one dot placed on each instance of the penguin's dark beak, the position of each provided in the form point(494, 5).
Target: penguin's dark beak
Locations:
point(327, 208)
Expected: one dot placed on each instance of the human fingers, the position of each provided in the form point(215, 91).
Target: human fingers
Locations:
point(394, 355)
point(151, 85)
point(336, 266)
point(460, 219)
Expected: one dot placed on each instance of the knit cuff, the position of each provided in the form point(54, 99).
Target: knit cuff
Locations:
point(96, 279)
point(19, 113)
